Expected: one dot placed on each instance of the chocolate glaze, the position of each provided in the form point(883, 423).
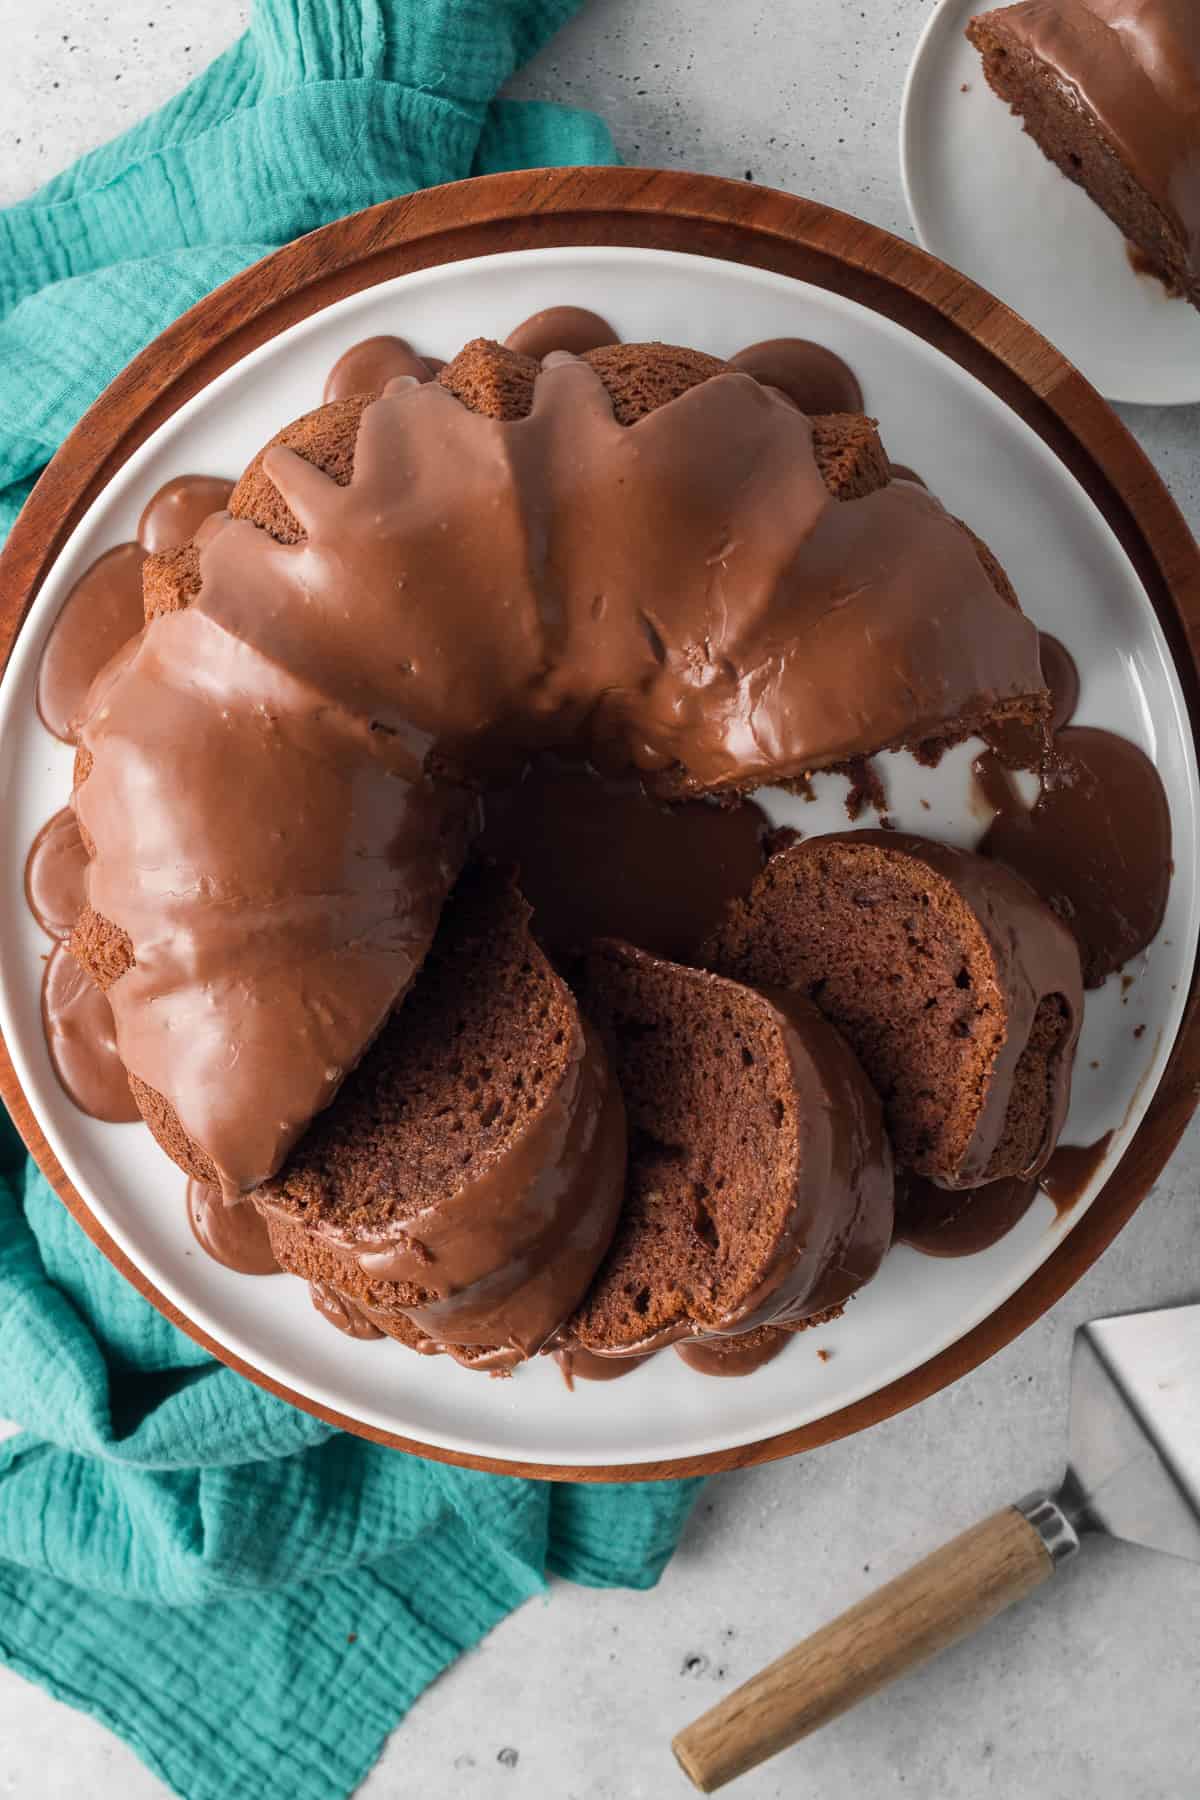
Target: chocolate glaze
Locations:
point(99, 615)
point(78, 1024)
point(902, 472)
point(54, 874)
point(957, 1222)
point(1061, 677)
point(570, 328)
point(179, 508)
point(1096, 846)
point(340, 1312)
point(1021, 746)
point(600, 857)
point(367, 368)
point(507, 1258)
point(1071, 1169)
point(732, 1356)
point(812, 377)
point(1136, 65)
point(578, 1364)
point(682, 594)
point(233, 1235)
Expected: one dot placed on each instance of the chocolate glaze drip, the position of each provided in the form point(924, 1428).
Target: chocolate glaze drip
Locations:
point(958, 1222)
point(176, 512)
point(939, 1222)
point(1096, 846)
point(505, 1259)
point(570, 328)
point(578, 1364)
point(367, 368)
point(812, 377)
point(1061, 677)
point(682, 594)
point(341, 1312)
point(78, 1024)
point(1136, 65)
point(600, 857)
point(99, 615)
point(54, 874)
point(733, 1356)
point(1021, 746)
point(233, 1235)
point(1070, 1171)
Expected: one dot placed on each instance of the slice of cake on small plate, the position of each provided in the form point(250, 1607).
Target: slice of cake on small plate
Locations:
point(1110, 92)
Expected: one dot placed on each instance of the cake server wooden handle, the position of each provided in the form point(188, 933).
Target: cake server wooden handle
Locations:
point(904, 1624)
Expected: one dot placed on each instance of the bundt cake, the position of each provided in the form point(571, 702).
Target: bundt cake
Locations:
point(957, 987)
point(1110, 91)
point(760, 1180)
point(634, 555)
point(470, 1176)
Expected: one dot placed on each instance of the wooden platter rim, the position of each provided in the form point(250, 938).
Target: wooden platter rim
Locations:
point(733, 221)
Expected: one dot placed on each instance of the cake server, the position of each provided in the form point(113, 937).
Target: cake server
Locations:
point(1134, 1472)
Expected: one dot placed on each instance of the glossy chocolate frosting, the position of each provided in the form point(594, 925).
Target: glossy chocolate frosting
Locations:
point(1136, 65)
point(682, 595)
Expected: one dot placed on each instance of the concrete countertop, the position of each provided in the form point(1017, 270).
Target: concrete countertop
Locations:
point(1091, 1690)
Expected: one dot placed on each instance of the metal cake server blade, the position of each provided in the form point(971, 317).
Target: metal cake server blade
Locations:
point(1135, 1430)
point(1134, 1473)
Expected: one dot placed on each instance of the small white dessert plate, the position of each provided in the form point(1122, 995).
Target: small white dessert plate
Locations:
point(983, 197)
point(989, 466)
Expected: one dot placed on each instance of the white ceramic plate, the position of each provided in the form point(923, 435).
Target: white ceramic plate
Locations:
point(1075, 581)
point(983, 197)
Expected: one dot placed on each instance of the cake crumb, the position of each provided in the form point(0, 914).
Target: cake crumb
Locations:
point(353, 1638)
point(694, 1664)
point(825, 1355)
point(1138, 1030)
point(866, 789)
point(965, 88)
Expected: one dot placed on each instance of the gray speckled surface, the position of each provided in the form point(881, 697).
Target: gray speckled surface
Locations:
point(1091, 1691)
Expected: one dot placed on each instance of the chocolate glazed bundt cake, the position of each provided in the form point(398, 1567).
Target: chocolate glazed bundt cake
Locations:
point(760, 1179)
point(634, 554)
point(957, 987)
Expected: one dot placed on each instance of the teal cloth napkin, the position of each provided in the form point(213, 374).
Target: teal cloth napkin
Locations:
point(250, 1598)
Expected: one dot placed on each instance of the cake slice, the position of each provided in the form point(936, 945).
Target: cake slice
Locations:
point(1109, 90)
point(760, 1179)
point(957, 987)
point(470, 1176)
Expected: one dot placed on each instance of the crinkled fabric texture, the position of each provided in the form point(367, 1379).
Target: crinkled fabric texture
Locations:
point(324, 107)
point(250, 1598)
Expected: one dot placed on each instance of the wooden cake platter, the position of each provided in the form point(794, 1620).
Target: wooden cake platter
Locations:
point(737, 223)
